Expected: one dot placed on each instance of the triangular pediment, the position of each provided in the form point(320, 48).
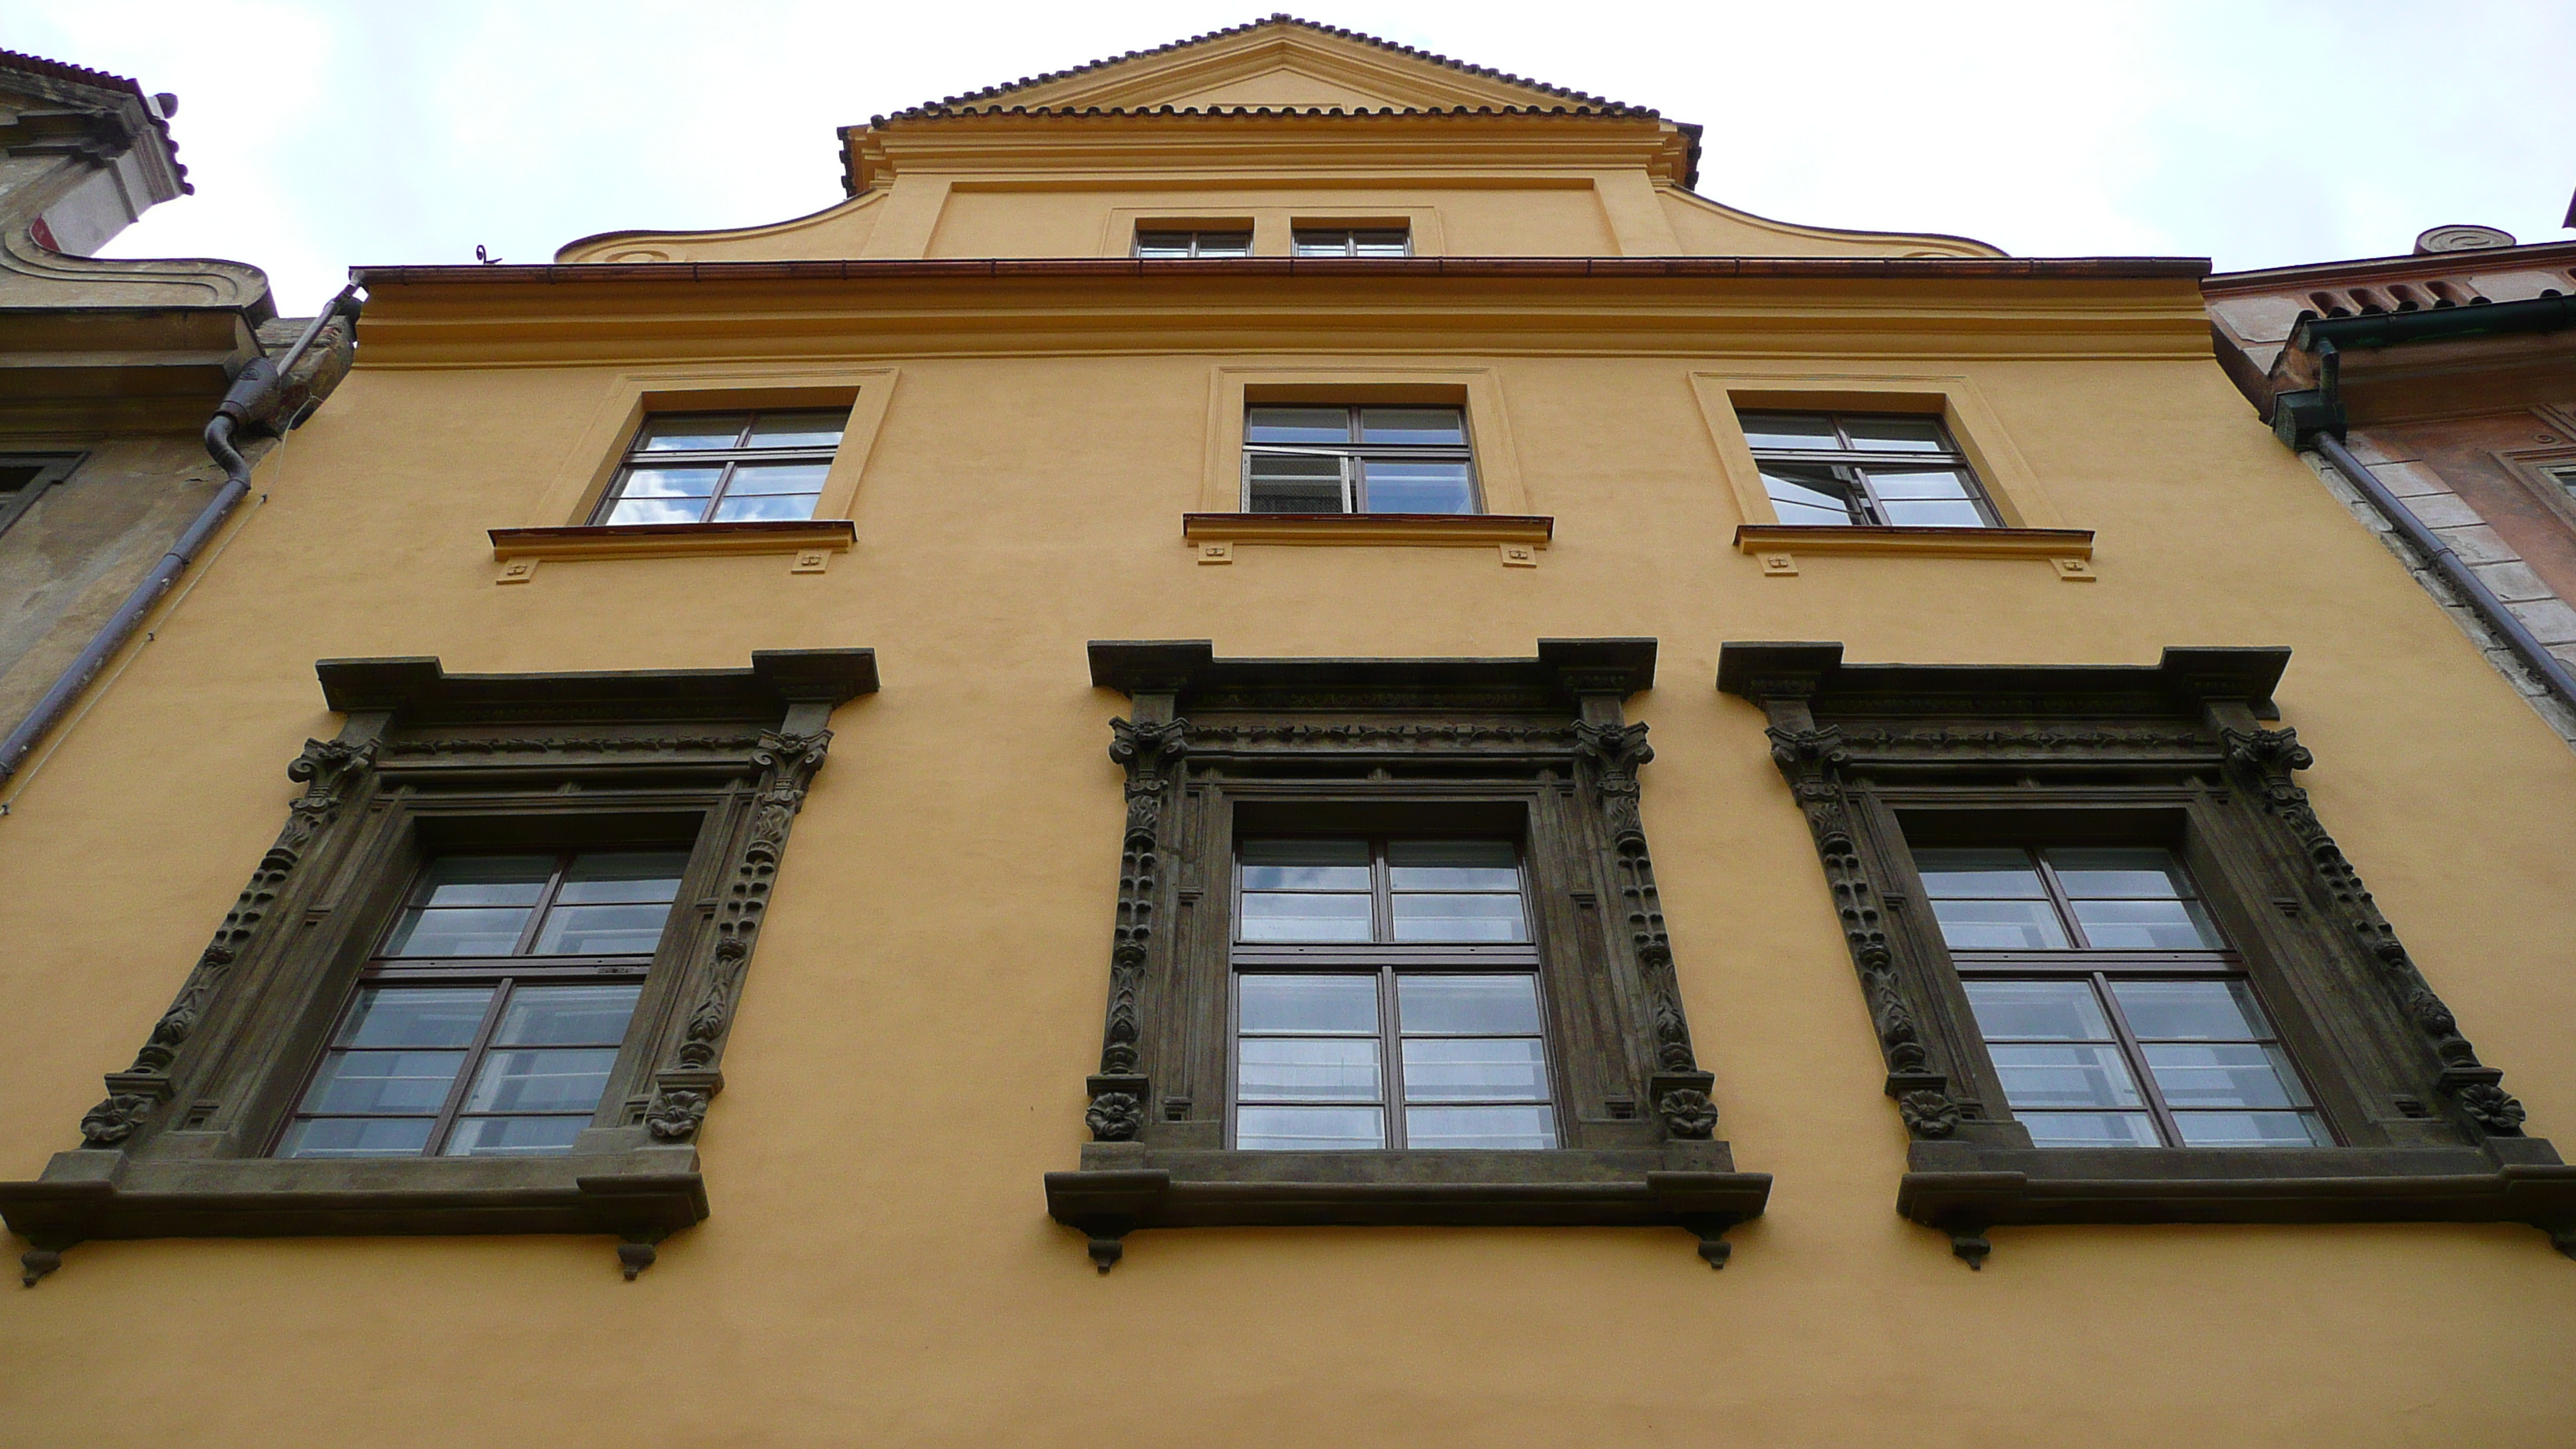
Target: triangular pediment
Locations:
point(1278, 63)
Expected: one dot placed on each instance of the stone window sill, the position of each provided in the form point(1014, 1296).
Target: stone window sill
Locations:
point(1963, 1189)
point(810, 542)
point(2069, 550)
point(1126, 1186)
point(637, 1196)
point(1519, 536)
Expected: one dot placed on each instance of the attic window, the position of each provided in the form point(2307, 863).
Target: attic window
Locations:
point(1187, 245)
point(1353, 242)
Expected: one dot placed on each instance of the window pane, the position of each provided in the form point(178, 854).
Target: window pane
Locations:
point(799, 430)
point(566, 1016)
point(777, 478)
point(1978, 873)
point(1308, 1069)
point(2064, 1076)
point(2223, 1076)
point(703, 430)
point(1308, 1003)
point(1308, 1129)
point(658, 510)
point(1289, 484)
point(2090, 1129)
point(1789, 430)
point(551, 1079)
point(1297, 425)
point(1492, 1128)
point(604, 879)
point(2191, 1010)
point(1225, 244)
point(514, 1136)
point(1918, 513)
point(414, 1016)
point(1453, 865)
point(357, 1137)
point(1162, 245)
point(2252, 1129)
point(1899, 435)
point(1474, 1069)
point(1380, 243)
point(1808, 495)
point(1458, 918)
point(1920, 483)
point(1307, 242)
point(383, 1082)
point(2045, 1010)
point(1413, 485)
point(484, 880)
point(2146, 926)
point(668, 482)
point(1286, 917)
point(1497, 1005)
point(1413, 425)
point(474, 932)
point(601, 930)
point(1337, 865)
point(1999, 925)
point(757, 507)
point(2148, 873)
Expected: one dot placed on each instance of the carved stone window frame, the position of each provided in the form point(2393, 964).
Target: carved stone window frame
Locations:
point(428, 761)
point(1538, 741)
point(2179, 753)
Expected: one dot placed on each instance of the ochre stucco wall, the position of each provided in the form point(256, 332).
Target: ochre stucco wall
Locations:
point(879, 1268)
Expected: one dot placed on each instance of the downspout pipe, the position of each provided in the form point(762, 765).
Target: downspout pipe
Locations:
point(2464, 581)
point(253, 398)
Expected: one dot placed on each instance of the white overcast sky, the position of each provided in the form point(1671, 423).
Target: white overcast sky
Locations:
point(324, 133)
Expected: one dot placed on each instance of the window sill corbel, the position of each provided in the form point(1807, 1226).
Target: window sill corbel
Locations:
point(2069, 550)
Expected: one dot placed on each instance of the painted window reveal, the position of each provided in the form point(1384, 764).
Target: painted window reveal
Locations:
point(1386, 996)
point(1344, 241)
point(1840, 469)
point(1167, 245)
point(488, 1022)
point(725, 467)
point(2113, 1009)
point(1307, 458)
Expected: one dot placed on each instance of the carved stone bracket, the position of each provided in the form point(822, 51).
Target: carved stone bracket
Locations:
point(2263, 760)
point(1151, 753)
point(329, 770)
point(682, 1091)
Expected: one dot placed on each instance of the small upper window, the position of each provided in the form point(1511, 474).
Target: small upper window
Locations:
point(2114, 1012)
point(1344, 241)
point(1182, 245)
point(725, 467)
point(1864, 468)
point(487, 1024)
point(1307, 459)
point(2566, 478)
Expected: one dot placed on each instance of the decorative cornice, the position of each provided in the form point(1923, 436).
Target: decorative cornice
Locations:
point(1563, 669)
point(424, 691)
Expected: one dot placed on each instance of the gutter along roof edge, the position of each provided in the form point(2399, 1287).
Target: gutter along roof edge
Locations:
point(1413, 268)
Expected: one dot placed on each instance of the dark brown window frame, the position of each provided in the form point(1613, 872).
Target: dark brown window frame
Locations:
point(1851, 464)
point(1197, 238)
point(1535, 749)
point(716, 761)
point(1354, 454)
point(1302, 239)
point(2180, 753)
point(729, 460)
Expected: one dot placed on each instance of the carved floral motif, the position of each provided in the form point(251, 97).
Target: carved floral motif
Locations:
point(114, 1120)
point(1928, 1113)
point(1115, 1117)
point(1151, 754)
point(675, 1114)
point(1688, 1113)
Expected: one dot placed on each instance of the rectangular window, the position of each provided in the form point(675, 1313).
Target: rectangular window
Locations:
point(2113, 1009)
point(1330, 459)
point(24, 479)
point(1344, 241)
point(2566, 479)
point(1185, 245)
point(725, 467)
point(1386, 996)
point(1838, 469)
point(487, 1023)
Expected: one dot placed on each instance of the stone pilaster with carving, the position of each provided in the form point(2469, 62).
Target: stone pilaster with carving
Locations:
point(329, 770)
point(2263, 761)
point(1812, 760)
point(1151, 753)
point(682, 1091)
point(1609, 754)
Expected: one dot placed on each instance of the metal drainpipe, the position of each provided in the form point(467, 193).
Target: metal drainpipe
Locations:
point(2472, 590)
point(251, 388)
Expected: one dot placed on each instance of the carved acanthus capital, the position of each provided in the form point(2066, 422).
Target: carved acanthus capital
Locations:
point(1143, 748)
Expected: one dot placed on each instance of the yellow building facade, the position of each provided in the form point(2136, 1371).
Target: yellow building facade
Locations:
point(723, 632)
